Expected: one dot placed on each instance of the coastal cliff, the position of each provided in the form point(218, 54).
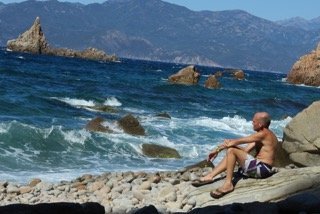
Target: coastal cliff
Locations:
point(34, 41)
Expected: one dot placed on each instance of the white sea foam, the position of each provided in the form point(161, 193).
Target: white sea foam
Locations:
point(76, 136)
point(47, 132)
point(234, 124)
point(3, 128)
point(135, 110)
point(112, 101)
point(76, 102)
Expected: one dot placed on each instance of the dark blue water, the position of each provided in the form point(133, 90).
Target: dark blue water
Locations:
point(45, 105)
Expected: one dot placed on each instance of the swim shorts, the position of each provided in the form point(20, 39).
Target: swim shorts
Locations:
point(256, 169)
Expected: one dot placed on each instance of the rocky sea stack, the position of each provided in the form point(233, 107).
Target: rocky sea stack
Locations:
point(33, 41)
point(306, 70)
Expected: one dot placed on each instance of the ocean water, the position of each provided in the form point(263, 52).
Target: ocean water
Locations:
point(45, 105)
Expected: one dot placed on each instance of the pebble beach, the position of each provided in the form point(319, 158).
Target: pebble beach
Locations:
point(118, 192)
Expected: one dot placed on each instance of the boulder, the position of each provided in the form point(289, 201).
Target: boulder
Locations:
point(157, 151)
point(33, 41)
point(187, 75)
point(282, 158)
point(212, 82)
point(301, 137)
point(131, 125)
point(95, 125)
point(306, 70)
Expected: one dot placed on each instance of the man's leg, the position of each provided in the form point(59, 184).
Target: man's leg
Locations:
point(233, 155)
point(222, 166)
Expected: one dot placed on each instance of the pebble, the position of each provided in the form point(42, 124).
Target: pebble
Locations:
point(119, 192)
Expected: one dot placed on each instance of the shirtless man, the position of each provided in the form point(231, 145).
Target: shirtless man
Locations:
point(264, 141)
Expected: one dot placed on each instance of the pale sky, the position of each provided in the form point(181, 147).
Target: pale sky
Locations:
point(269, 9)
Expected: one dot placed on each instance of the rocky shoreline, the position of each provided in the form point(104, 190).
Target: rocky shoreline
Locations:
point(168, 192)
point(289, 189)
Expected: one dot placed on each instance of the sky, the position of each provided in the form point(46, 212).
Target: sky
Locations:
point(268, 9)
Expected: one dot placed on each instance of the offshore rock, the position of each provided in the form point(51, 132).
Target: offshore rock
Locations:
point(306, 70)
point(33, 41)
point(95, 125)
point(301, 137)
point(238, 74)
point(188, 75)
point(131, 125)
point(212, 82)
point(157, 151)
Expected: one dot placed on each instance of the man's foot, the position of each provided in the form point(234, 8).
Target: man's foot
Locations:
point(218, 193)
point(203, 181)
point(199, 182)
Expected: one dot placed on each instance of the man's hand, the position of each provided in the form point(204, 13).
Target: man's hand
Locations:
point(212, 155)
point(228, 143)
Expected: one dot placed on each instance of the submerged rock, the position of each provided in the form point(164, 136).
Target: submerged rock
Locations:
point(164, 115)
point(306, 70)
point(103, 108)
point(157, 151)
point(33, 41)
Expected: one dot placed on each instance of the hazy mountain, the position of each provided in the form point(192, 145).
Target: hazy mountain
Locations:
point(158, 30)
point(298, 22)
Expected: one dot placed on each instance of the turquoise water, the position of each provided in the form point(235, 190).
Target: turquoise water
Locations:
point(45, 105)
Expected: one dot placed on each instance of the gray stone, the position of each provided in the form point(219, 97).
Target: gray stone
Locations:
point(305, 159)
point(13, 189)
point(302, 134)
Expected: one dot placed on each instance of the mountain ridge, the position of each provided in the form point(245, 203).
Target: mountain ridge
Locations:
point(156, 30)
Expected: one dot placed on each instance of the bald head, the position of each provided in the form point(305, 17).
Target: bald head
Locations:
point(263, 118)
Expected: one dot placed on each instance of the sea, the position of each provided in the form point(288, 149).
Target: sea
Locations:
point(46, 102)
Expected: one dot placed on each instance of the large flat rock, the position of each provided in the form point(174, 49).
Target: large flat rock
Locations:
point(281, 185)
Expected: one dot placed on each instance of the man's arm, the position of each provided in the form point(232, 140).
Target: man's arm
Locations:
point(256, 137)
